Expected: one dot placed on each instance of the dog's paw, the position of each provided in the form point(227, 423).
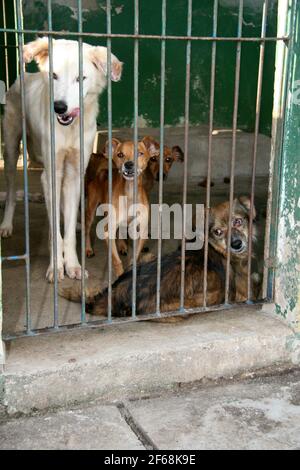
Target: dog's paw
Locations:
point(89, 253)
point(75, 272)
point(119, 270)
point(5, 231)
point(122, 247)
point(50, 274)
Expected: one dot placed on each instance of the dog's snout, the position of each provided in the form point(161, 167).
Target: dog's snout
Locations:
point(129, 166)
point(60, 107)
point(236, 244)
point(164, 177)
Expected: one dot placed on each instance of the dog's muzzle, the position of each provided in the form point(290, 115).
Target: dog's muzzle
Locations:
point(67, 118)
point(164, 177)
point(237, 245)
point(128, 170)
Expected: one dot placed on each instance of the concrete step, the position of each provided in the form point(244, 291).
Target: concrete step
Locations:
point(254, 413)
point(134, 360)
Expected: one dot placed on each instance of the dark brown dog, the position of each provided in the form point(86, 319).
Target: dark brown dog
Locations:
point(171, 155)
point(171, 271)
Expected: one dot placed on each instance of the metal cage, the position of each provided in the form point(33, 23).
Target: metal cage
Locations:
point(282, 42)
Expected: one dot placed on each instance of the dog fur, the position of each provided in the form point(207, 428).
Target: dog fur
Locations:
point(122, 185)
point(67, 136)
point(194, 272)
point(151, 174)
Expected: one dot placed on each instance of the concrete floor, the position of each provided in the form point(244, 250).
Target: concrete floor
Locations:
point(69, 313)
point(261, 413)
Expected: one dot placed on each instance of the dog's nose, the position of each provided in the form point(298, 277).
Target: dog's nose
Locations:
point(236, 244)
point(129, 166)
point(60, 107)
point(164, 177)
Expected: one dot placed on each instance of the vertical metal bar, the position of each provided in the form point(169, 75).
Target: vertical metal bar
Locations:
point(16, 36)
point(109, 116)
point(53, 170)
point(136, 113)
point(2, 347)
point(5, 44)
point(82, 166)
point(186, 148)
point(161, 160)
point(280, 91)
point(211, 123)
point(257, 118)
point(233, 150)
point(24, 142)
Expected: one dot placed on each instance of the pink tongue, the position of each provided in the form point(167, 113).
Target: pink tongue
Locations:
point(75, 112)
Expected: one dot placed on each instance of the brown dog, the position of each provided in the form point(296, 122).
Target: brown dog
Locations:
point(122, 185)
point(171, 271)
point(171, 155)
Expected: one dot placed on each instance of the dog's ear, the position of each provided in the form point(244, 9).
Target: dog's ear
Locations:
point(177, 153)
point(151, 144)
point(246, 203)
point(98, 56)
point(36, 50)
point(115, 142)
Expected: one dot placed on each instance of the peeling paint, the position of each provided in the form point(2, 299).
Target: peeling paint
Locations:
point(119, 9)
point(287, 280)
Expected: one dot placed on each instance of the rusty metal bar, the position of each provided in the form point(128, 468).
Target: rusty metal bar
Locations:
point(233, 152)
point(124, 320)
point(24, 142)
point(52, 190)
point(136, 115)
point(161, 159)
point(5, 45)
point(82, 164)
point(146, 36)
point(186, 150)
point(209, 160)
point(109, 116)
point(257, 118)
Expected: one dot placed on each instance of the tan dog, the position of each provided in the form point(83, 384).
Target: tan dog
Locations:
point(194, 262)
point(122, 185)
point(151, 174)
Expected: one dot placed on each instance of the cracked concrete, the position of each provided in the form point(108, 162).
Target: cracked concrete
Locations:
point(259, 413)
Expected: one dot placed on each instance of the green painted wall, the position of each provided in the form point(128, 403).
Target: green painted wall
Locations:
point(64, 17)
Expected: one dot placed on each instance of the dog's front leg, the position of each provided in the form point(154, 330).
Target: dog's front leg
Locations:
point(116, 260)
point(47, 187)
point(144, 219)
point(71, 196)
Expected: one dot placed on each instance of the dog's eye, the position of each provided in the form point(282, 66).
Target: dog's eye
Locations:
point(55, 77)
point(121, 155)
point(237, 222)
point(153, 159)
point(78, 78)
point(141, 154)
point(218, 232)
point(168, 159)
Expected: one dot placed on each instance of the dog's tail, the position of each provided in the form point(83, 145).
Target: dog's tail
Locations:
point(72, 292)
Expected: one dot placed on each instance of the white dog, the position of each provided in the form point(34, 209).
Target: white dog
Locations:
point(67, 140)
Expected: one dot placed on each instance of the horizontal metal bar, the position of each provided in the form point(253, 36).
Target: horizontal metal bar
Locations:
point(144, 36)
point(14, 258)
point(129, 319)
